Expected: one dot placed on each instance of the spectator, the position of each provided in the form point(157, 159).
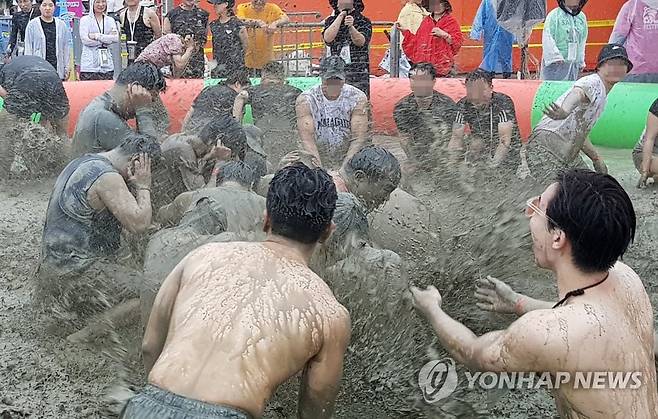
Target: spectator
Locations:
point(497, 57)
point(264, 19)
point(563, 41)
point(229, 40)
point(189, 19)
point(332, 118)
point(491, 117)
point(423, 118)
point(97, 32)
point(214, 101)
point(411, 16)
point(645, 154)
point(438, 39)
point(49, 37)
point(347, 33)
point(141, 26)
point(170, 50)
point(273, 108)
point(103, 124)
point(19, 21)
point(637, 29)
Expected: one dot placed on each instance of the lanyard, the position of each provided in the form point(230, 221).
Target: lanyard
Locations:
point(132, 24)
point(99, 25)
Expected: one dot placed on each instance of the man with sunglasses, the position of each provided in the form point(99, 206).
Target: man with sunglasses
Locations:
point(581, 226)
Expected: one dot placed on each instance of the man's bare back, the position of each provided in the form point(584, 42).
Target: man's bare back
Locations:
point(609, 329)
point(238, 330)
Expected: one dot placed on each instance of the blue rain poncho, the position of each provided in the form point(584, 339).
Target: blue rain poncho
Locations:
point(497, 57)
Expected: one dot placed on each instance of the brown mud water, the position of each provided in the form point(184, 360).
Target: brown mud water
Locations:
point(483, 232)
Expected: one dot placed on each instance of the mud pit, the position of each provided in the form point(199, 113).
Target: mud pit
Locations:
point(46, 377)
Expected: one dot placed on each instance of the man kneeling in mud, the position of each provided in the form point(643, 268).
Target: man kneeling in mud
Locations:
point(235, 320)
point(580, 226)
point(91, 202)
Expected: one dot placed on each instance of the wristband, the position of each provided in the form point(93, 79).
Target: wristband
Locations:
point(518, 307)
point(144, 189)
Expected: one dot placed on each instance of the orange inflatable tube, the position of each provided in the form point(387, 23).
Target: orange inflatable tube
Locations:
point(385, 93)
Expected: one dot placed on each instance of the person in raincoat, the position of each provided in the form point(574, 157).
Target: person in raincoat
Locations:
point(637, 29)
point(563, 41)
point(497, 56)
point(97, 32)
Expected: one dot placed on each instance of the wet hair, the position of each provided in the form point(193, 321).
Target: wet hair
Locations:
point(144, 74)
point(138, 144)
point(377, 163)
point(227, 129)
point(275, 68)
point(236, 171)
point(596, 215)
point(479, 74)
point(350, 216)
point(425, 67)
point(240, 76)
point(301, 203)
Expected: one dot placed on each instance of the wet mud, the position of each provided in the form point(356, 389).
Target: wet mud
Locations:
point(482, 232)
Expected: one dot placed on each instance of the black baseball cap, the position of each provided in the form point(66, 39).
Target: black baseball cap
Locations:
point(611, 52)
point(332, 67)
point(231, 3)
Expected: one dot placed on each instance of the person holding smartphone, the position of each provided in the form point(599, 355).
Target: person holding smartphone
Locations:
point(347, 34)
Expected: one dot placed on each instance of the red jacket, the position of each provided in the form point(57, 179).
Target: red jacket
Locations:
point(425, 47)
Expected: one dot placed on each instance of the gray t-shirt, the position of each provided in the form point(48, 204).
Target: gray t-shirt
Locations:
point(581, 121)
point(333, 122)
point(100, 127)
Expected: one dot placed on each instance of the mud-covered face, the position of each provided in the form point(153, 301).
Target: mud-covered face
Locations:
point(25, 5)
point(613, 71)
point(47, 9)
point(543, 238)
point(422, 83)
point(100, 6)
point(372, 194)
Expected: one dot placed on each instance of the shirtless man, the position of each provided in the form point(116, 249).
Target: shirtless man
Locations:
point(580, 226)
point(230, 313)
point(332, 118)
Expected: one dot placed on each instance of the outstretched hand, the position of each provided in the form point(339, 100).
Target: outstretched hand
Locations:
point(555, 112)
point(495, 295)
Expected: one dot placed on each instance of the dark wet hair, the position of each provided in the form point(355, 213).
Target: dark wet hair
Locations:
point(227, 129)
point(144, 74)
point(377, 163)
point(479, 74)
point(236, 171)
point(138, 144)
point(350, 216)
point(301, 203)
point(239, 76)
point(275, 68)
point(596, 215)
point(424, 67)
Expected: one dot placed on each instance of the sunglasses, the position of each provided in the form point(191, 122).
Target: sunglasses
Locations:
point(532, 207)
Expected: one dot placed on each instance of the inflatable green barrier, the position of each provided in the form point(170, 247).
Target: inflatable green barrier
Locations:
point(624, 117)
point(302, 83)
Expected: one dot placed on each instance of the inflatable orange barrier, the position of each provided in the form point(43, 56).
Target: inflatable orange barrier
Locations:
point(385, 94)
